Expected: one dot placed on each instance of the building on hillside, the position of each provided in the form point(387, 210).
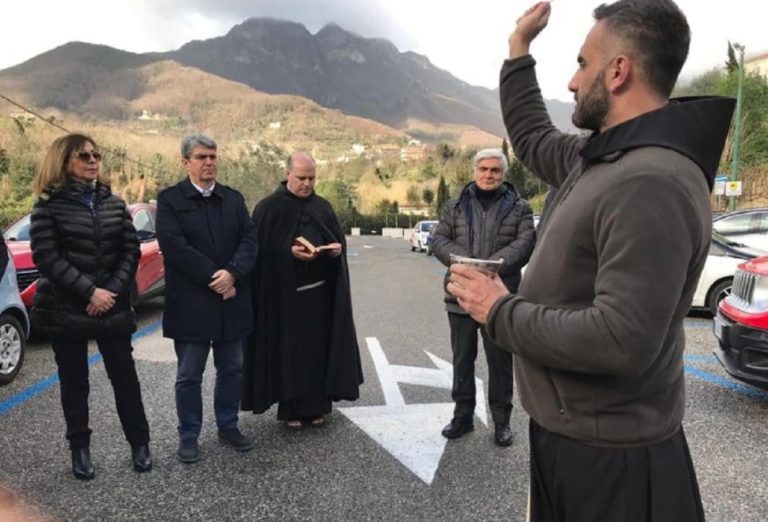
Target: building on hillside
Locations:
point(275, 125)
point(358, 149)
point(415, 210)
point(22, 116)
point(412, 153)
point(757, 64)
point(388, 152)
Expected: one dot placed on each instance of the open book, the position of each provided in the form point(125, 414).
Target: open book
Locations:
point(306, 243)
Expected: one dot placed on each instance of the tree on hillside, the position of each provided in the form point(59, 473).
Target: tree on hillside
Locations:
point(505, 149)
point(445, 152)
point(462, 175)
point(732, 64)
point(442, 195)
point(430, 170)
point(412, 196)
point(428, 195)
point(338, 193)
point(522, 179)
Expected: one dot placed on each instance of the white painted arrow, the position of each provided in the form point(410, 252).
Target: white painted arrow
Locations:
point(410, 432)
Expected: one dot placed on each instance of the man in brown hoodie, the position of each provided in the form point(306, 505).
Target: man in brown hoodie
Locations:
point(597, 324)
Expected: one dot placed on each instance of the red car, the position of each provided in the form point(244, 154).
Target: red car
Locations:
point(741, 325)
point(150, 276)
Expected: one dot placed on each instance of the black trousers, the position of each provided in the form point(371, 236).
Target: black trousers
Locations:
point(500, 376)
point(72, 361)
point(575, 482)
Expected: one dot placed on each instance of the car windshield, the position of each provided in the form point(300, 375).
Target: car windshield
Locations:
point(724, 240)
point(425, 227)
point(18, 231)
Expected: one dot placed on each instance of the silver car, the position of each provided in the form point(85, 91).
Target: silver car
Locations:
point(14, 322)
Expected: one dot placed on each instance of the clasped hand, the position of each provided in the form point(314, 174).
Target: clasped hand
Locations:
point(101, 301)
point(223, 283)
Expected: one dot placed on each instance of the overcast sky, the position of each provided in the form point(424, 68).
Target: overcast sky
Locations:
point(466, 38)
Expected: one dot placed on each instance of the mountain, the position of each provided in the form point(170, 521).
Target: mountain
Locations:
point(366, 77)
point(149, 95)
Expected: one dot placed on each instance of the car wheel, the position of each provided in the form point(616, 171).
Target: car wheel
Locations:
point(718, 292)
point(421, 247)
point(429, 251)
point(12, 343)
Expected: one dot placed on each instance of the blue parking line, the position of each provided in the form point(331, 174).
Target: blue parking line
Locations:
point(742, 389)
point(707, 359)
point(43, 385)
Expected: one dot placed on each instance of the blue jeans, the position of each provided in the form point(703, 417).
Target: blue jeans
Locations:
point(192, 357)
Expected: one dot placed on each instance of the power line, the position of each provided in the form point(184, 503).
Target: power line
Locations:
point(105, 149)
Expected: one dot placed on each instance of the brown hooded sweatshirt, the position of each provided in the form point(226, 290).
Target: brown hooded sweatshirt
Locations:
point(597, 325)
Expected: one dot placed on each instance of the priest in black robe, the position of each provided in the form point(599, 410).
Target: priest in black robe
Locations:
point(303, 352)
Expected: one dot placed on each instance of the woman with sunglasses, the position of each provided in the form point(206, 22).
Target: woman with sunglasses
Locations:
point(85, 246)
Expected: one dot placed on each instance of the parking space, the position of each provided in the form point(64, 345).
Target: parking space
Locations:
point(380, 458)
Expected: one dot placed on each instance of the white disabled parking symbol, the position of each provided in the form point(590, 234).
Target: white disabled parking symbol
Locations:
point(410, 432)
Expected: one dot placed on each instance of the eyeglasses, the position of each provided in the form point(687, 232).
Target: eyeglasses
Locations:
point(87, 155)
point(203, 157)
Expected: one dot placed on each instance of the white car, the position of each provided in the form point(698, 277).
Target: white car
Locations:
point(749, 227)
point(717, 277)
point(419, 235)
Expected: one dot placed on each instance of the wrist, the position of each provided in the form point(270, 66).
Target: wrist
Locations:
point(518, 46)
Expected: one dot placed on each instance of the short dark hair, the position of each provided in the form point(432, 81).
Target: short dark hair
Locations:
point(658, 33)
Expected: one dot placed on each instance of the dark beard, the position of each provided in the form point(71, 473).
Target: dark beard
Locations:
point(592, 109)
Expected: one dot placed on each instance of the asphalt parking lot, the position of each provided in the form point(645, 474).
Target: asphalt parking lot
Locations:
point(379, 458)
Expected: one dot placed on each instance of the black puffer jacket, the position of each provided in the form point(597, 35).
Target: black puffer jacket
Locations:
point(78, 249)
point(503, 231)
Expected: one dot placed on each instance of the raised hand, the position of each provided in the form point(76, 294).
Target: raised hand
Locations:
point(529, 25)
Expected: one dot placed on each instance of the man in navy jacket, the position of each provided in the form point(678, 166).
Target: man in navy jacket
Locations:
point(209, 245)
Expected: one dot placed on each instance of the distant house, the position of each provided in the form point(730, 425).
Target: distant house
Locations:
point(415, 210)
point(358, 148)
point(412, 153)
point(757, 64)
point(22, 116)
point(388, 151)
point(275, 125)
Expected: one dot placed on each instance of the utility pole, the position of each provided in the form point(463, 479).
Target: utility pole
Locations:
point(737, 125)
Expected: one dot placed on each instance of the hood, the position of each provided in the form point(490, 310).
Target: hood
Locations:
point(695, 127)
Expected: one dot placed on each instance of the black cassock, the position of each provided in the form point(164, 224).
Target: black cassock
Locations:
point(303, 351)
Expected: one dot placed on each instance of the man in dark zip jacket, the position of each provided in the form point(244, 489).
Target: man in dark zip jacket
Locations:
point(489, 220)
point(597, 324)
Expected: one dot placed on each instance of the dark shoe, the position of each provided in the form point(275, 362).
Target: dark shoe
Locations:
point(82, 467)
point(457, 428)
point(188, 451)
point(142, 460)
point(235, 439)
point(503, 435)
point(318, 421)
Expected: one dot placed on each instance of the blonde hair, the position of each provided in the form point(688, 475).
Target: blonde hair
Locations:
point(53, 173)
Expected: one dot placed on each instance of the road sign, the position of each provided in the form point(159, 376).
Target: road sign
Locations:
point(733, 188)
point(719, 188)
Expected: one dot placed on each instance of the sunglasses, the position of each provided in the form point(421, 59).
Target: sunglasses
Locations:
point(86, 156)
point(203, 157)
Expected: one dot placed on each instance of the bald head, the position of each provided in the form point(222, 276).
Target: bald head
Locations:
point(300, 158)
point(300, 174)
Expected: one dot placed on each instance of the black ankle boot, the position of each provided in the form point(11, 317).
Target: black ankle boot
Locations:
point(142, 460)
point(82, 467)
